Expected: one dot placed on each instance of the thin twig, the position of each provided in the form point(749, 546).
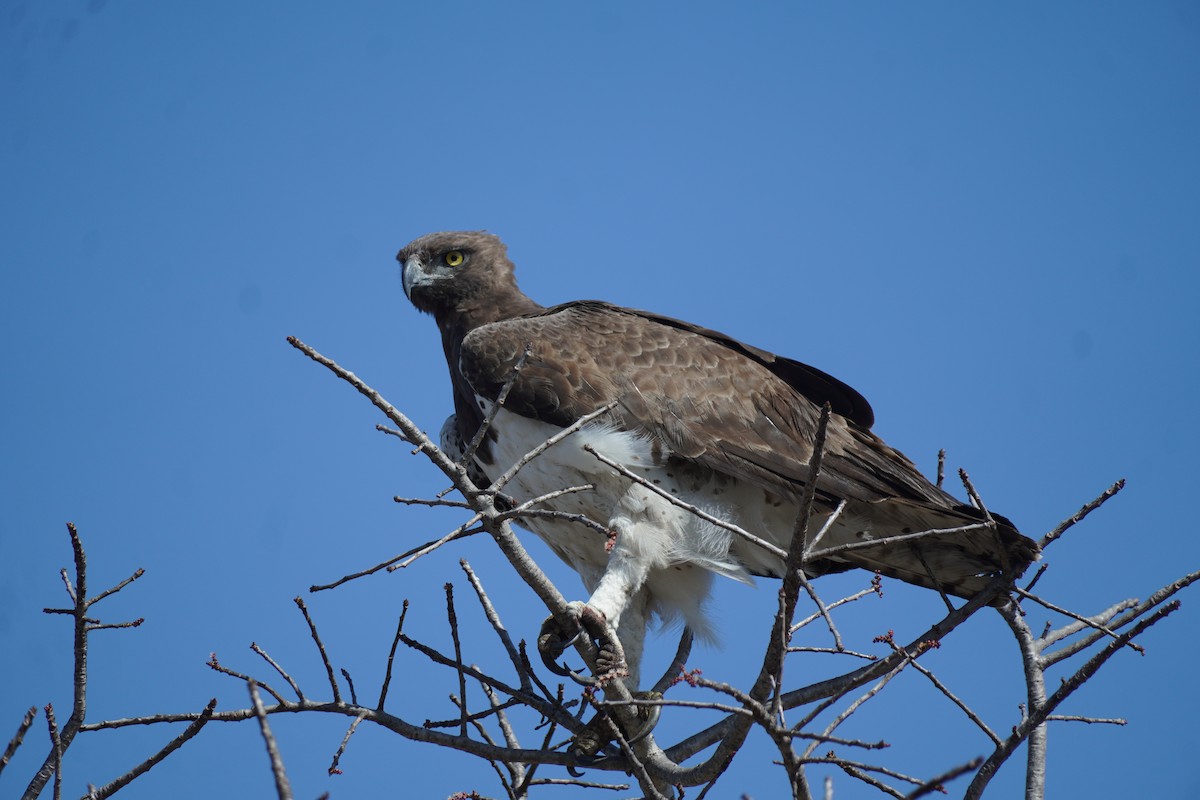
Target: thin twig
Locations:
point(383, 564)
point(551, 727)
point(490, 612)
point(1001, 547)
point(295, 686)
point(217, 666)
point(337, 757)
point(545, 708)
point(1037, 576)
point(505, 780)
point(510, 736)
point(678, 662)
point(1068, 650)
point(1076, 617)
point(832, 651)
point(880, 745)
point(478, 715)
point(452, 616)
point(486, 425)
point(691, 509)
point(139, 572)
point(1088, 720)
point(393, 432)
point(825, 527)
point(528, 670)
point(616, 787)
point(112, 788)
point(855, 772)
point(512, 471)
point(349, 682)
point(103, 626)
point(891, 540)
point(941, 687)
point(548, 513)
point(850, 709)
point(915, 549)
point(1087, 508)
point(18, 737)
point(646, 702)
point(872, 589)
point(409, 431)
point(823, 611)
point(433, 502)
point(524, 508)
point(466, 529)
point(891, 773)
point(316, 637)
point(387, 675)
point(935, 784)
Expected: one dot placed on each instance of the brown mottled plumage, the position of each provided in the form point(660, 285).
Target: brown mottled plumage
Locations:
point(708, 406)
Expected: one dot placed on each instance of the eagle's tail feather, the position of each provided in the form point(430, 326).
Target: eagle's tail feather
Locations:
point(956, 561)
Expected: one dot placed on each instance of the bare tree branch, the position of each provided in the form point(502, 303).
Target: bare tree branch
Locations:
point(141, 769)
point(18, 737)
point(283, 673)
point(1088, 508)
point(337, 757)
point(80, 649)
point(935, 784)
point(217, 666)
point(387, 677)
point(458, 662)
point(282, 786)
point(56, 747)
point(494, 619)
point(316, 637)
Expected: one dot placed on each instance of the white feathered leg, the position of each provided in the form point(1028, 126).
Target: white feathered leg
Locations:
point(643, 524)
point(632, 633)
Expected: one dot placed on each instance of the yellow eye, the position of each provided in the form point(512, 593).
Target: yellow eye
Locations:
point(453, 258)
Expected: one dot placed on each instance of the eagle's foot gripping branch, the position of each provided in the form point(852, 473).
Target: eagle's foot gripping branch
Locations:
point(587, 745)
point(553, 640)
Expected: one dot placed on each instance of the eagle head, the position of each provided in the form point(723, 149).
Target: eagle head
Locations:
point(454, 271)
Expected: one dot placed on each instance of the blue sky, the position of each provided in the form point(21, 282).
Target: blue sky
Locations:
point(983, 218)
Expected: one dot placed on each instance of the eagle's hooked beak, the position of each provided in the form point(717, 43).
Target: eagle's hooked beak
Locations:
point(413, 274)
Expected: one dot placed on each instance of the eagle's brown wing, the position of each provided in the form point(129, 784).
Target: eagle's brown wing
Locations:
point(719, 403)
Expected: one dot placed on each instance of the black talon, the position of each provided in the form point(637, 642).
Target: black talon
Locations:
point(652, 714)
point(585, 761)
point(551, 646)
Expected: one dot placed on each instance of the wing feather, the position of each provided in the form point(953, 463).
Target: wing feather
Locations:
point(699, 396)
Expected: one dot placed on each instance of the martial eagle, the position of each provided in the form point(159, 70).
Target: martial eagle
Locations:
point(724, 426)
